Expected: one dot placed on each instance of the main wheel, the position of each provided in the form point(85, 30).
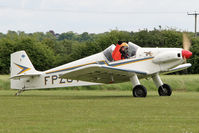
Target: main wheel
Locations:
point(139, 91)
point(165, 90)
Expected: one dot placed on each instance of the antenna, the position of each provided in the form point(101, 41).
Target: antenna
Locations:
point(196, 15)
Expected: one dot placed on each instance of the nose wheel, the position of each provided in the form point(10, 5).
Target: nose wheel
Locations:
point(139, 91)
point(164, 90)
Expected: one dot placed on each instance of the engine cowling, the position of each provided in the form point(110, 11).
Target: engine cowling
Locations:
point(167, 57)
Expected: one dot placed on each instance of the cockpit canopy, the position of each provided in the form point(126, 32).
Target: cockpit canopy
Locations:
point(132, 49)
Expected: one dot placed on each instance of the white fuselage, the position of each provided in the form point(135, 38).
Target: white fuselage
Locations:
point(149, 60)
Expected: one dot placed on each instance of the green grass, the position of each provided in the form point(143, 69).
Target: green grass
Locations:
point(73, 111)
point(4, 82)
point(177, 82)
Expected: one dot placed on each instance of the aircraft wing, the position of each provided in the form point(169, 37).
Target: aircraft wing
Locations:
point(101, 74)
point(179, 68)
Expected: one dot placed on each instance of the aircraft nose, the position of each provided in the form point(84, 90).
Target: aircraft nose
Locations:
point(186, 54)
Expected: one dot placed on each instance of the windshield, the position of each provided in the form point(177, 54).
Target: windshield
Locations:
point(108, 52)
point(132, 49)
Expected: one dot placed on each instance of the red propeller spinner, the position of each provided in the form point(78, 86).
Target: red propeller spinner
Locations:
point(186, 54)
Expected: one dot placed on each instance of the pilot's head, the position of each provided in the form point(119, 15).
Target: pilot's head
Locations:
point(124, 48)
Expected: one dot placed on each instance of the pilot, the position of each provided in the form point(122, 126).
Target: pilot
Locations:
point(124, 51)
point(120, 51)
point(116, 53)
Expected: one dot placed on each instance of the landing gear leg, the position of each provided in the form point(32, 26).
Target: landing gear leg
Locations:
point(138, 90)
point(20, 91)
point(163, 89)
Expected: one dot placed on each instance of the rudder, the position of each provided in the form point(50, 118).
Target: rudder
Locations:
point(21, 64)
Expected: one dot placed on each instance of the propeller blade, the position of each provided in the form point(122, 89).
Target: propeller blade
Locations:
point(186, 42)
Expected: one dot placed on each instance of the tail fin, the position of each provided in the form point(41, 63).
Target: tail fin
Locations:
point(21, 64)
point(22, 71)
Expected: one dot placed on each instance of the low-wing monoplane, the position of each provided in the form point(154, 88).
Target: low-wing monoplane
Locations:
point(100, 68)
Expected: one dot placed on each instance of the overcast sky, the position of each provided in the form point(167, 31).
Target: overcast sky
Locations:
point(95, 16)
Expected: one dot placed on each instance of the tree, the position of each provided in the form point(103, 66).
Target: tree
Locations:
point(46, 50)
point(106, 39)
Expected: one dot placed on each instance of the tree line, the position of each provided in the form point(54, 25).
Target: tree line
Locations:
point(47, 50)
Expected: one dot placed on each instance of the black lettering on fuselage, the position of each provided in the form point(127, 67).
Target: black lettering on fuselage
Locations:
point(45, 79)
point(62, 81)
point(59, 80)
point(54, 77)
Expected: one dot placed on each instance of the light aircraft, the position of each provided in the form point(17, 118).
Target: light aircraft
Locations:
point(100, 69)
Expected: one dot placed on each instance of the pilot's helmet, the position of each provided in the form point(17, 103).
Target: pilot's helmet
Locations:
point(124, 44)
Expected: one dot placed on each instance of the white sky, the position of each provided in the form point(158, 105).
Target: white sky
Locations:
point(95, 16)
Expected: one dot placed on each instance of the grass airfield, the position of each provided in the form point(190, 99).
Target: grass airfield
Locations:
point(98, 111)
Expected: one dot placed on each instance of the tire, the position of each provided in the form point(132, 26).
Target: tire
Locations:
point(139, 91)
point(165, 90)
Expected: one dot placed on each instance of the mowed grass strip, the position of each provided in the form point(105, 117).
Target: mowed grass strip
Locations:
point(72, 111)
point(4, 82)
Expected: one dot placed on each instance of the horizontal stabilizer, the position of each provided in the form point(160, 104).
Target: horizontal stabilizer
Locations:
point(26, 75)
